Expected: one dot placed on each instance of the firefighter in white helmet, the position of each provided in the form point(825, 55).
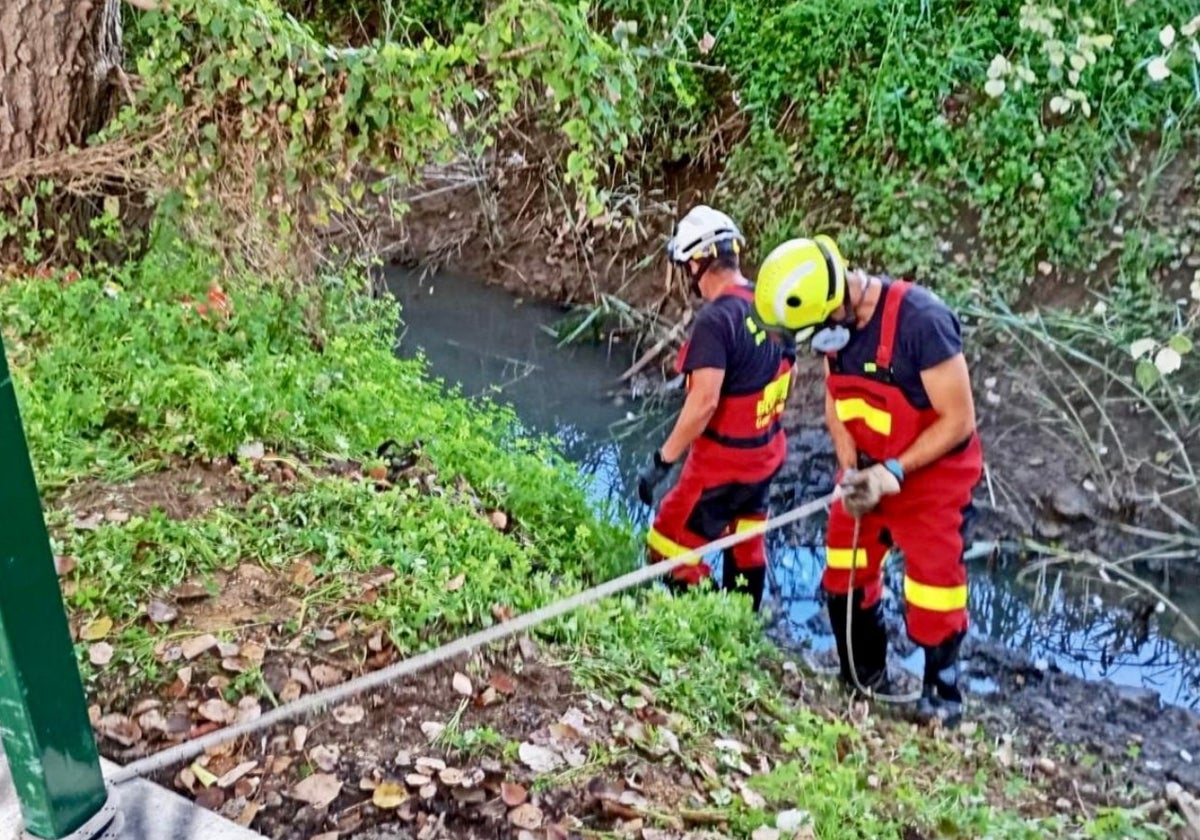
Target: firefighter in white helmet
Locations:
point(730, 429)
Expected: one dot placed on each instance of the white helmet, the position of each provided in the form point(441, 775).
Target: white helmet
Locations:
point(703, 233)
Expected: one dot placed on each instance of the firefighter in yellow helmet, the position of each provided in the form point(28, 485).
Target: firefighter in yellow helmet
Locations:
point(899, 408)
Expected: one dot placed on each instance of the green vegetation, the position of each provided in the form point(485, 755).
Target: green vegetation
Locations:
point(978, 145)
point(310, 373)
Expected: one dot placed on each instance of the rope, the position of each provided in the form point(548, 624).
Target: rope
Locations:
point(320, 701)
point(895, 699)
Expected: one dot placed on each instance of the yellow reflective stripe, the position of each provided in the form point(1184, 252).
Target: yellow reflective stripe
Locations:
point(839, 558)
point(774, 397)
point(859, 409)
point(747, 524)
point(667, 547)
point(935, 598)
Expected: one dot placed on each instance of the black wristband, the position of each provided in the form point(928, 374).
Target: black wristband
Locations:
point(659, 461)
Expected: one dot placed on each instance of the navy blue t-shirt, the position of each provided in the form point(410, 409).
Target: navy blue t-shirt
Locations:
point(927, 334)
point(721, 338)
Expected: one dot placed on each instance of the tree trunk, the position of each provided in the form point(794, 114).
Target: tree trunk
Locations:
point(58, 59)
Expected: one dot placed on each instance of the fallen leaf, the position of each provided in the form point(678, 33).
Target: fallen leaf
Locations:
point(451, 777)
point(290, 692)
point(430, 765)
point(120, 729)
point(235, 665)
point(254, 653)
point(198, 645)
point(217, 711)
point(528, 817)
point(88, 523)
point(764, 832)
point(189, 591)
point(417, 780)
point(499, 520)
point(563, 732)
point(378, 577)
point(183, 679)
point(97, 630)
point(64, 565)
point(501, 612)
point(389, 796)
point(706, 43)
point(751, 797)
point(429, 791)
point(303, 574)
point(730, 745)
point(211, 798)
point(432, 729)
point(248, 709)
point(228, 650)
point(462, 685)
point(456, 583)
point(488, 697)
point(203, 776)
point(117, 517)
point(325, 757)
point(249, 813)
point(469, 796)
point(299, 738)
point(318, 790)
point(539, 759)
point(513, 794)
point(100, 654)
point(349, 715)
point(326, 675)
point(160, 612)
point(152, 721)
point(503, 683)
point(233, 776)
point(792, 821)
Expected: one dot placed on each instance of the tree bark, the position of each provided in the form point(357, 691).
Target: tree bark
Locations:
point(58, 60)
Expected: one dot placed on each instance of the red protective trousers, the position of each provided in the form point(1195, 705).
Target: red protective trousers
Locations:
point(925, 519)
point(725, 482)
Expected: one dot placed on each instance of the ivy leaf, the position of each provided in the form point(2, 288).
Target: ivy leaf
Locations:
point(1181, 344)
point(1147, 374)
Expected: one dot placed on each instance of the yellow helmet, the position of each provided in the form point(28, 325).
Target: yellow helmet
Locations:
point(800, 284)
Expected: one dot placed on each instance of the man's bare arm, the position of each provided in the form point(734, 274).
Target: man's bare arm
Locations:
point(697, 410)
point(948, 385)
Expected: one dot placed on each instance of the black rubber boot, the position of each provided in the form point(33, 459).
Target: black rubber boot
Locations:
point(941, 699)
point(868, 637)
point(752, 582)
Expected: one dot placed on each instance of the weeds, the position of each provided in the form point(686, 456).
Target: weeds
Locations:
point(367, 561)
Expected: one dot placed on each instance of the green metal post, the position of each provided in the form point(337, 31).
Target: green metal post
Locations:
point(43, 714)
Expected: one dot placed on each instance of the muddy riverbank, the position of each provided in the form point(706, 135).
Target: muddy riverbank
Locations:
point(1042, 666)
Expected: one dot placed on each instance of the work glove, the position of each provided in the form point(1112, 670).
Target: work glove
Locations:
point(651, 476)
point(863, 489)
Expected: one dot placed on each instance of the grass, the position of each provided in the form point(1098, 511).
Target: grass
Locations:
point(116, 377)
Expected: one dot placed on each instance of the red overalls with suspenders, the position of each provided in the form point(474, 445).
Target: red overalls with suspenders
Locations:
point(925, 518)
point(744, 444)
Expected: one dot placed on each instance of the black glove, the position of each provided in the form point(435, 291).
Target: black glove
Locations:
point(651, 476)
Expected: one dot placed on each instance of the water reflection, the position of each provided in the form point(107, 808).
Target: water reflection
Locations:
point(482, 341)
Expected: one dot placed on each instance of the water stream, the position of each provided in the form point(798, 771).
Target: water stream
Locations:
point(488, 344)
